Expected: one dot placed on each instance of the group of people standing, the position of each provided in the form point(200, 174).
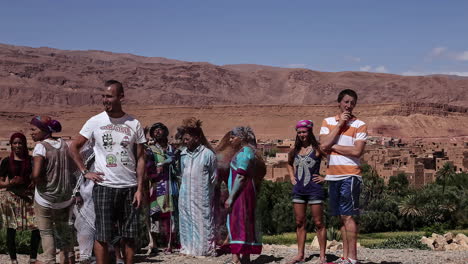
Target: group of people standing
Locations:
point(342, 141)
point(115, 176)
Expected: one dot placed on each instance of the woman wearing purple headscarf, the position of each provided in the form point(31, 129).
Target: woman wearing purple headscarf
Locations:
point(246, 172)
point(52, 174)
point(304, 166)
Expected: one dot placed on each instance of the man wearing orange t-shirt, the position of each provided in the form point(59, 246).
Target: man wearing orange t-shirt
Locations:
point(343, 137)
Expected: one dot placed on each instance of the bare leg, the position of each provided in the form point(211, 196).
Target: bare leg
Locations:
point(317, 213)
point(345, 240)
point(236, 258)
point(67, 257)
point(152, 246)
point(119, 255)
point(129, 250)
point(151, 240)
point(101, 251)
point(301, 232)
point(351, 229)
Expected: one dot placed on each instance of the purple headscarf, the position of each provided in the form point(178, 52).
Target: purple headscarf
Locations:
point(46, 124)
point(305, 124)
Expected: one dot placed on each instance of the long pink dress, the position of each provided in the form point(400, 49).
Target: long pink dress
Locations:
point(244, 237)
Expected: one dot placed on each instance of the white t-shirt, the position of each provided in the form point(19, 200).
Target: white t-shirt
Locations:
point(114, 147)
point(40, 150)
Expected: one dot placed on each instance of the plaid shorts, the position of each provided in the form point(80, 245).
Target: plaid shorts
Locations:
point(116, 216)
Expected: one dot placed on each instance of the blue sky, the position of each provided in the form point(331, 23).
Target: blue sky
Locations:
point(401, 37)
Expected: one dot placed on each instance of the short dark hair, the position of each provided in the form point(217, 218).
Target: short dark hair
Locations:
point(118, 85)
point(349, 92)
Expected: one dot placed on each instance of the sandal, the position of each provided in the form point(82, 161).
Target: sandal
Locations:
point(296, 261)
point(152, 252)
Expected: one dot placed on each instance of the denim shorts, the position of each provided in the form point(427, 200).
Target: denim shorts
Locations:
point(308, 199)
point(344, 196)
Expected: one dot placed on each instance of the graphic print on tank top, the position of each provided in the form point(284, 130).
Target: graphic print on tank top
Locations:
point(304, 164)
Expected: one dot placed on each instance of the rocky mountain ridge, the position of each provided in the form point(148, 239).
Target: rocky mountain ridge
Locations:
point(37, 77)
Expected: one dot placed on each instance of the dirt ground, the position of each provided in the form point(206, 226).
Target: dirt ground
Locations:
point(282, 254)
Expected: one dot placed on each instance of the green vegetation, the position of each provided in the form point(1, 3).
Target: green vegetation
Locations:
point(436, 207)
point(371, 240)
point(270, 153)
point(401, 242)
point(22, 242)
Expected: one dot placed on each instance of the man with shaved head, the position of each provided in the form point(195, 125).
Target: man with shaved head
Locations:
point(119, 169)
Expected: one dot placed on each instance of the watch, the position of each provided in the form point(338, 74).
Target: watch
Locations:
point(84, 172)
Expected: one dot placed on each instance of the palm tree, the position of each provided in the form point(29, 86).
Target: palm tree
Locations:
point(411, 207)
point(445, 173)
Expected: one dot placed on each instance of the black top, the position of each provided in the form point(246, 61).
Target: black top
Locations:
point(5, 171)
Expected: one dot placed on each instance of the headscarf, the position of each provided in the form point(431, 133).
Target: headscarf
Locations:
point(258, 166)
point(160, 126)
point(26, 163)
point(46, 124)
point(304, 124)
point(246, 134)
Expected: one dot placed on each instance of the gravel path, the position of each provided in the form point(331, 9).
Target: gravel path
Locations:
point(282, 254)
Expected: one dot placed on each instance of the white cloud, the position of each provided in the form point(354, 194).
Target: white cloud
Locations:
point(437, 51)
point(296, 65)
point(444, 52)
point(365, 68)
point(352, 58)
point(415, 73)
point(381, 69)
point(368, 68)
point(463, 56)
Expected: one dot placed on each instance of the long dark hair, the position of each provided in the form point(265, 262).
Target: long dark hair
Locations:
point(24, 155)
point(298, 145)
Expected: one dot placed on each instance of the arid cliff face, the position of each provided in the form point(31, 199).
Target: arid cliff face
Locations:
point(43, 76)
point(66, 84)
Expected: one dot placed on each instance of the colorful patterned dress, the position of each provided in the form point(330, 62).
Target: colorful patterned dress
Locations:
point(244, 236)
point(16, 203)
point(164, 186)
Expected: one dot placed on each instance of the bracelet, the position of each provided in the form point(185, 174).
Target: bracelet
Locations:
point(84, 172)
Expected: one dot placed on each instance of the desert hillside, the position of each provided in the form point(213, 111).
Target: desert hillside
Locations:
point(65, 84)
point(32, 77)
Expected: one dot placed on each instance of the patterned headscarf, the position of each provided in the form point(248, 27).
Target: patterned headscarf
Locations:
point(305, 124)
point(246, 134)
point(46, 124)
